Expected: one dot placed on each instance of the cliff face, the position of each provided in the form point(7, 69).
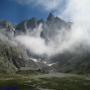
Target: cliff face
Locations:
point(11, 58)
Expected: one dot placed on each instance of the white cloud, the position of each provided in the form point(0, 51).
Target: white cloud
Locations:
point(79, 12)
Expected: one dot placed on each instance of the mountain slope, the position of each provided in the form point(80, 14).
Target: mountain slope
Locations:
point(11, 56)
point(72, 63)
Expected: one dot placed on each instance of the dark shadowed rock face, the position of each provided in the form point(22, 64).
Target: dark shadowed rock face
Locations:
point(27, 25)
point(72, 63)
point(53, 26)
point(11, 58)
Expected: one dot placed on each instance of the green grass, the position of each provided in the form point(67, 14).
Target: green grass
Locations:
point(50, 83)
point(70, 83)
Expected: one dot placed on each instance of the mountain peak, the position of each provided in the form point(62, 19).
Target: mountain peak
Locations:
point(50, 16)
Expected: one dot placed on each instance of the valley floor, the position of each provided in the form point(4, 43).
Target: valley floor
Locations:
point(53, 81)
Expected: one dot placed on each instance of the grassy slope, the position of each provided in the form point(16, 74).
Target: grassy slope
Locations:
point(66, 82)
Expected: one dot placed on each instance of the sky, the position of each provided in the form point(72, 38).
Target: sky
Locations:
point(16, 11)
